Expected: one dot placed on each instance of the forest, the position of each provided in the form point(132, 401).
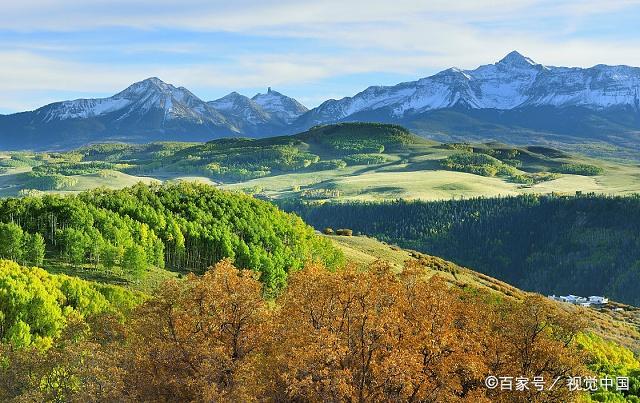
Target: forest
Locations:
point(484, 164)
point(361, 161)
point(265, 309)
point(241, 159)
point(331, 335)
point(36, 305)
point(582, 245)
point(181, 227)
point(225, 160)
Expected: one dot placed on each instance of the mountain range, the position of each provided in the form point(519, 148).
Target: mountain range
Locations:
point(514, 100)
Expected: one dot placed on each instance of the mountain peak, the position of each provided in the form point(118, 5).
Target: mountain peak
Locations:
point(153, 80)
point(452, 72)
point(233, 94)
point(151, 84)
point(270, 92)
point(279, 105)
point(515, 58)
point(232, 101)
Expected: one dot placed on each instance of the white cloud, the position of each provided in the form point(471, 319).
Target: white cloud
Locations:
point(408, 37)
point(292, 15)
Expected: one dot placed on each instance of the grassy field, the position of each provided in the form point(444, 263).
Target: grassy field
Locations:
point(338, 162)
point(408, 181)
point(363, 250)
point(12, 181)
point(151, 280)
point(379, 185)
point(416, 172)
point(415, 180)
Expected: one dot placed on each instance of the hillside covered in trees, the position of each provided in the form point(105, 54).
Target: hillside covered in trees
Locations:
point(299, 325)
point(585, 245)
point(223, 160)
point(345, 335)
point(35, 306)
point(181, 227)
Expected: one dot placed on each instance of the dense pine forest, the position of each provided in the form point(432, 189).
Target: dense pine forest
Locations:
point(585, 245)
point(183, 227)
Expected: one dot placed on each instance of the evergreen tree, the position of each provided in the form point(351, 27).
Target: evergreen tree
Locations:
point(583, 245)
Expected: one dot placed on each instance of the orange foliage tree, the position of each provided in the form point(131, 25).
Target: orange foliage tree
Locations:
point(349, 335)
point(202, 339)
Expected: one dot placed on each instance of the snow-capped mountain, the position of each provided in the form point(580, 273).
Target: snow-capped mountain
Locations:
point(241, 111)
point(280, 107)
point(148, 110)
point(264, 114)
point(513, 100)
point(151, 96)
point(514, 82)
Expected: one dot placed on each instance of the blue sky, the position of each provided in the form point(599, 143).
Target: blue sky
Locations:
point(65, 49)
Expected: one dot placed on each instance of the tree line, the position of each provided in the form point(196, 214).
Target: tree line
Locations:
point(183, 227)
point(584, 245)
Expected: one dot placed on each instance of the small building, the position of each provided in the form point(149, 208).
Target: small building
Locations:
point(574, 299)
point(581, 301)
point(594, 299)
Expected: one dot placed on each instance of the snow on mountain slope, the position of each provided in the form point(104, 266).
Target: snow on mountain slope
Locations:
point(515, 92)
point(504, 85)
point(85, 108)
point(150, 95)
point(262, 115)
point(280, 106)
point(239, 107)
point(514, 82)
point(596, 87)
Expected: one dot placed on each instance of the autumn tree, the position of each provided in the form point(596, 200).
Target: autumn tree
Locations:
point(352, 334)
point(349, 335)
point(534, 339)
point(202, 339)
point(374, 336)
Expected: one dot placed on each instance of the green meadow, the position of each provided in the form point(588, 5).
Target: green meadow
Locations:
point(354, 161)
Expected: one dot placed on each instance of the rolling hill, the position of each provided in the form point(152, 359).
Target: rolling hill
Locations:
point(346, 161)
point(514, 100)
